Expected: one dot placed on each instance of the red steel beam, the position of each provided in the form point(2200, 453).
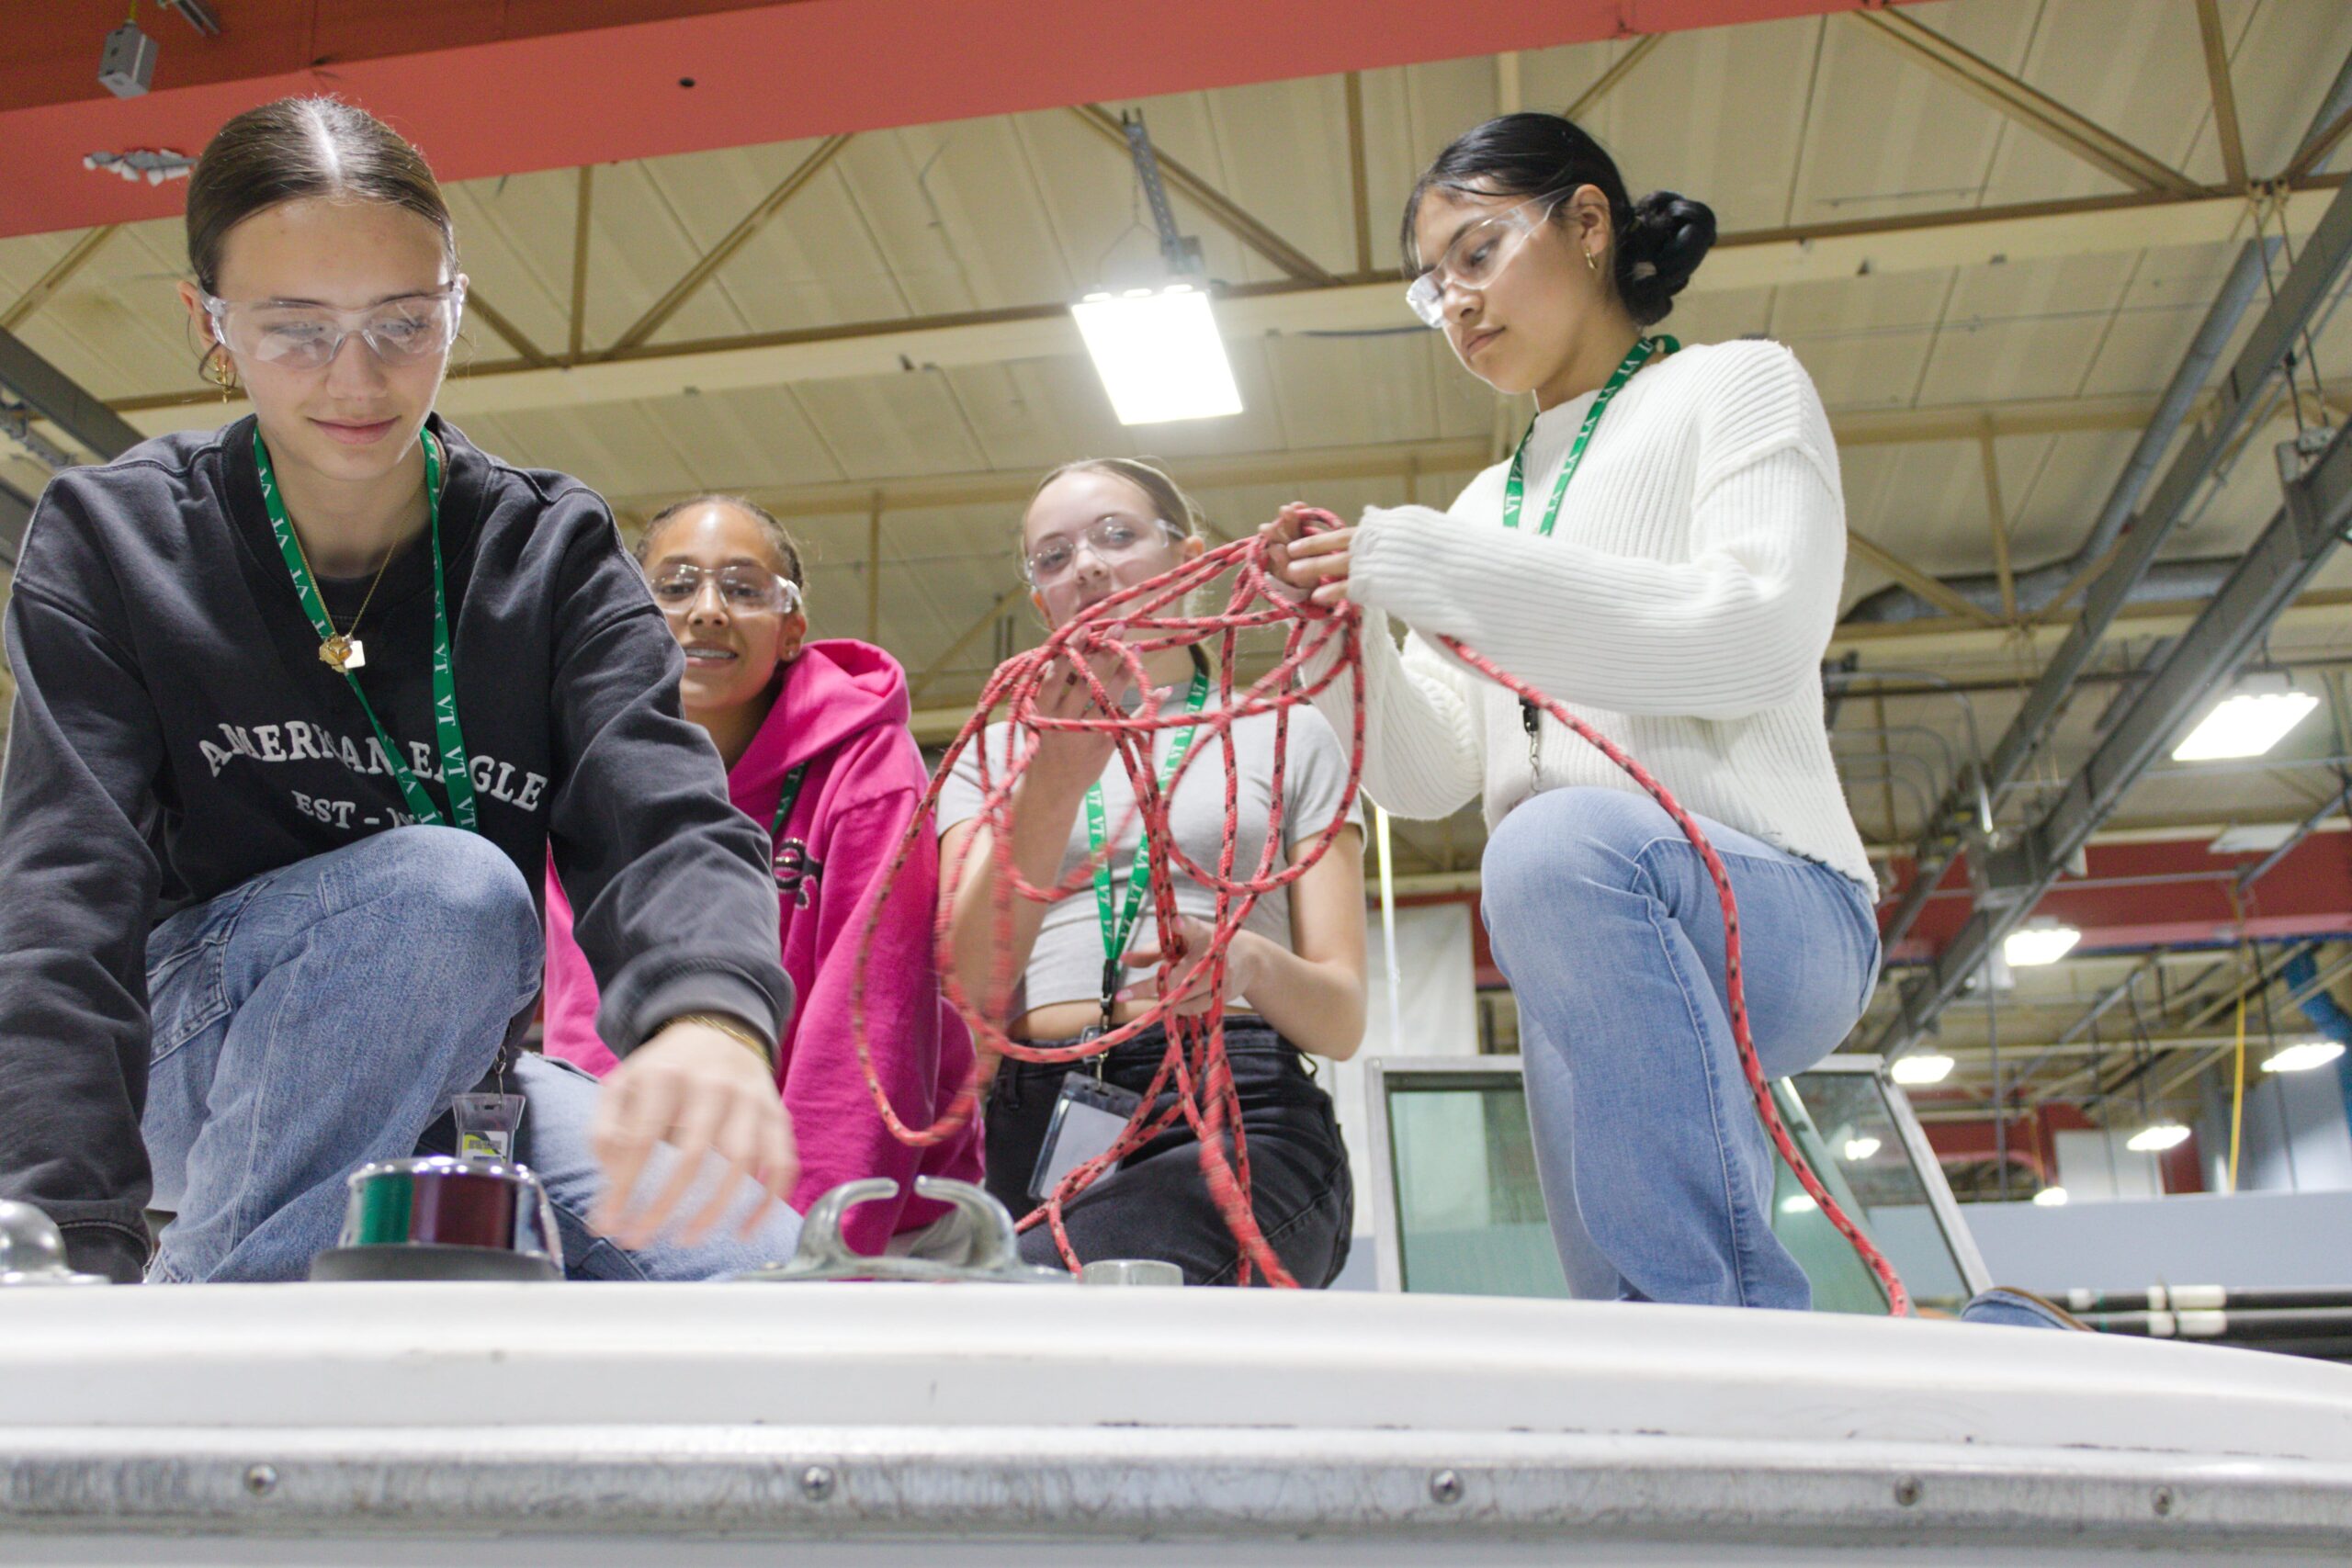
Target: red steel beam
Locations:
point(2173, 893)
point(505, 86)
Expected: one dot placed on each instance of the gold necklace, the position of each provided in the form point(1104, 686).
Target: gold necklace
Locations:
point(344, 651)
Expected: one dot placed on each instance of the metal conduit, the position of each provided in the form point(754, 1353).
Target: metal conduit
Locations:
point(1844, 681)
point(1890, 732)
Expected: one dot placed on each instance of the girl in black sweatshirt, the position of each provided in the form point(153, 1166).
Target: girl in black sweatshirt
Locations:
point(303, 706)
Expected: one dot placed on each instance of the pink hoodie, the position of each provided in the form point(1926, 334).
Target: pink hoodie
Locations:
point(843, 709)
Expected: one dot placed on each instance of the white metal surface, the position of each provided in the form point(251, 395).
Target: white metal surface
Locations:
point(311, 1419)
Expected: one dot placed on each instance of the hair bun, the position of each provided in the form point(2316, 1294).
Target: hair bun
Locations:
point(1664, 244)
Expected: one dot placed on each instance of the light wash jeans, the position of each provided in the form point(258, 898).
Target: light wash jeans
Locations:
point(323, 1016)
point(1657, 1174)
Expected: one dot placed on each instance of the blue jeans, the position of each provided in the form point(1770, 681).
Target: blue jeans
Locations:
point(2006, 1306)
point(323, 1016)
point(1657, 1174)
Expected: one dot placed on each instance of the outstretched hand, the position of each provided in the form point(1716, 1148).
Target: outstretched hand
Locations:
point(703, 1092)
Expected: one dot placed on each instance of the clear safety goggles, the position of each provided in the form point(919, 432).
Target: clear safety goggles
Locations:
point(407, 331)
point(1476, 258)
point(1112, 539)
point(743, 589)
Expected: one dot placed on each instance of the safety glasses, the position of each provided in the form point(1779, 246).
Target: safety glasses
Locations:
point(743, 589)
point(1112, 539)
point(1476, 258)
point(408, 330)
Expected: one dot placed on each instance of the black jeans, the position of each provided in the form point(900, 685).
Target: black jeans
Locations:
point(1157, 1203)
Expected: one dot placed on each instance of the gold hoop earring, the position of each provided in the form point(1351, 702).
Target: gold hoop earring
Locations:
point(1592, 264)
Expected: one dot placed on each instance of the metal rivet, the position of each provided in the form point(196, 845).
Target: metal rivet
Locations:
point(817, 1483)
point(1445, 1486)
point(1907, 1491)
point(2163, 1501)
point(261, 1480)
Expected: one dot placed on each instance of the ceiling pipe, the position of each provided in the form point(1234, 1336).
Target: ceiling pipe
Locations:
point(2268, 355)
point(2036, 589)
point(2165, 582)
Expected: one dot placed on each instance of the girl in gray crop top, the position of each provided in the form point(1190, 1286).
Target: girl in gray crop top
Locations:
point(1296, 968)
point(1298, 961)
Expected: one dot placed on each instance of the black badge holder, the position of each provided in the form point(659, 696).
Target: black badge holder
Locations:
point(1088, 1116)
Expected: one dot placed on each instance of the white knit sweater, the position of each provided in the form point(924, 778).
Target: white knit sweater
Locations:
point(1681, 607)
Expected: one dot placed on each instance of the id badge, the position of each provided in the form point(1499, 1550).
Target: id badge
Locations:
point(1088, 1116)
point(486, 1124)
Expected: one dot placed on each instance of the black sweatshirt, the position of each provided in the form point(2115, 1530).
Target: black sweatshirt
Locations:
point(176, 734)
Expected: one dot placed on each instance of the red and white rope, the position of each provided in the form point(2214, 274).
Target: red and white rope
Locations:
point(1129, 626)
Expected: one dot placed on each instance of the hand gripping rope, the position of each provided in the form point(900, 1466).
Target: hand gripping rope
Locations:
point(1128, 626)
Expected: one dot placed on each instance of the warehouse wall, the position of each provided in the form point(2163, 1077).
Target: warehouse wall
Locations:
point(2269, 1239)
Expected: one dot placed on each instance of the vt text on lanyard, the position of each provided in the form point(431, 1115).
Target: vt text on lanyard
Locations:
point(337, 650)
point(1117, 925)
point(1515, 496)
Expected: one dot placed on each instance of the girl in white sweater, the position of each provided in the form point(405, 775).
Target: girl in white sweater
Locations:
point(1677, 597)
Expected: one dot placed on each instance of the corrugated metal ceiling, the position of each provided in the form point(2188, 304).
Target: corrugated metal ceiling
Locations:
point(1777, 124)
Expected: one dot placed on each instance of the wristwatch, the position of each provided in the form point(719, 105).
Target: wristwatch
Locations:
point(733, 1028)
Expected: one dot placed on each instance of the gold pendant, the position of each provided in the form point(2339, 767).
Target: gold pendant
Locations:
point(342, 653)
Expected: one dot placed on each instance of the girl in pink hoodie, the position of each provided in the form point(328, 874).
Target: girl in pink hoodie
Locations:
point(815, 738)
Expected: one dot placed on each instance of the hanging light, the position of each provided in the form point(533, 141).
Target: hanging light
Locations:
point(2303, 1057)
point(2251, 838)
point(1158, 353)
point(2049, 1198)
point(1798, 1203)
point(2039, 943)
point(2248, 722)
point(1859, 1149)
point(1157, 346)
point(1924, 1069)
point(2156, 1137)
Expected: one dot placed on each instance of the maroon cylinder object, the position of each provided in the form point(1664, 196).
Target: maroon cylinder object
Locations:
point(461, 1209)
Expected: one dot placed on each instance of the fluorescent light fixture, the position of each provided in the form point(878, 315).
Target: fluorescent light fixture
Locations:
point(1798, 1203)
point(2049, 1198)
point(2251, 838)
point(2044, 942)
point(2301, 1056)
point(1861, 1148)
point(1158, 353)
point(2247, 723)
point(1921, 1069)
point(2157, 1137)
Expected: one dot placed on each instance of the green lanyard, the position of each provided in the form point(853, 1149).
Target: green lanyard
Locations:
point(1515, 491)
point(336, 649)
point(1117, 926)
point(1515, 496)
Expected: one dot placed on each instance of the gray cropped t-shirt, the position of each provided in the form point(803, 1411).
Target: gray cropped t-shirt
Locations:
point(1066, 964)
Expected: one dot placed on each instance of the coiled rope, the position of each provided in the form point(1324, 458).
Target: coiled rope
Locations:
point(1128, 627)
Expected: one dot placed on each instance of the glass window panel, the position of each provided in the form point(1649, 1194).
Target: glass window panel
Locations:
point(1470, 1209)
point(1862, 1157)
